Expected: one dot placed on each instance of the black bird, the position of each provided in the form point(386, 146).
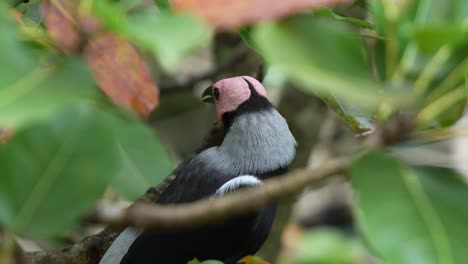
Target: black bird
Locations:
point(257, 144)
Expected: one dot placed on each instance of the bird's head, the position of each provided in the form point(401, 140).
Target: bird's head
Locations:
point(235, 95)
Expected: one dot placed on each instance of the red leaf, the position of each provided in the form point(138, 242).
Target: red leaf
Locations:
point(228, 14)
point(60, 19)
point(5, 135)
point(121, 73)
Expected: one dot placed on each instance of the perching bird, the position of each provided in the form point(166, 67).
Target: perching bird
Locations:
point(257, 144)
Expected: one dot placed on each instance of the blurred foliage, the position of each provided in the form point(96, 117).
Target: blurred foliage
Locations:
point(326, 245)
point(422, 218)
point(67, 142)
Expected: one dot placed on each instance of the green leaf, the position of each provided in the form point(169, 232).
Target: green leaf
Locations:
point(359, 122)
point(163, 4)
point(30, 91)
point(144, 161)
point(54, 171)
point(328, 246)
point(321, 54)
point(41, 93)
point(411, 215)
point(113, 16)
point(432, 37)
point(169, 37)
point(246, 35)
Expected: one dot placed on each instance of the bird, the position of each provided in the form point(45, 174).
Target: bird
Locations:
point(257, 145)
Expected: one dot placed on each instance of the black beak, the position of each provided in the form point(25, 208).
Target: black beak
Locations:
point(207, 95)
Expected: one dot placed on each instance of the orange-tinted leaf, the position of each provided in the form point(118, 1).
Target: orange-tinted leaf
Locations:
point(60, 19)
point(253, 260)
point(5, 135)
point(121, 73)
point(291, 236)
point(228, 14)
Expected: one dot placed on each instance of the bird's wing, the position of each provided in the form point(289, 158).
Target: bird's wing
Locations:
point(204, 242)
point(214, 138)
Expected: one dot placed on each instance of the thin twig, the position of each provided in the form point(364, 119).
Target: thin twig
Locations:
point(213, 210)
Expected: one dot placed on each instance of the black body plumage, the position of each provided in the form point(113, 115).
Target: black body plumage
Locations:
point(199, 177)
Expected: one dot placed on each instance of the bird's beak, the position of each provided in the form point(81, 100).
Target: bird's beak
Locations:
point(207, 95)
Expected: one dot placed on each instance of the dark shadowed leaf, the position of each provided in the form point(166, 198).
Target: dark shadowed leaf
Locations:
point(144, 162)
point(228, 15)
point(423, 211)
point(121, 73)
point(53, 172)
point(163, 4)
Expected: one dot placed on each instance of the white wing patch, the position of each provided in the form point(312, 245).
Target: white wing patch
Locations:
point(236, 183)
point(119, 248)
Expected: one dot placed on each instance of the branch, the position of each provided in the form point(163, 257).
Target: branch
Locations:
point(215, 210)
point(140, 214)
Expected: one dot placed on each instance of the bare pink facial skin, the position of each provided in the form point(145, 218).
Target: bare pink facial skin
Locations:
point(235, 91)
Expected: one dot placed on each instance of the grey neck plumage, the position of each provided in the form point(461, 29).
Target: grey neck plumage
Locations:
point(256, 142)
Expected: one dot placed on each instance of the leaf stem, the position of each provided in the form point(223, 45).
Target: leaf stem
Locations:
point(455, 76)
point(434, 109)
point(422, 83)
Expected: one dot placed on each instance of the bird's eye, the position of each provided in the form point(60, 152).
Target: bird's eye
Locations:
point(216, 93)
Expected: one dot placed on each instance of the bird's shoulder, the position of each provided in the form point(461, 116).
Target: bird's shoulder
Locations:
point(195, 178)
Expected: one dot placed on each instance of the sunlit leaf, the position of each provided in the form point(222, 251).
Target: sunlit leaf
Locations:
point(54, 171)
point(327, 246)
point(428, 204)
point(432, 37)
